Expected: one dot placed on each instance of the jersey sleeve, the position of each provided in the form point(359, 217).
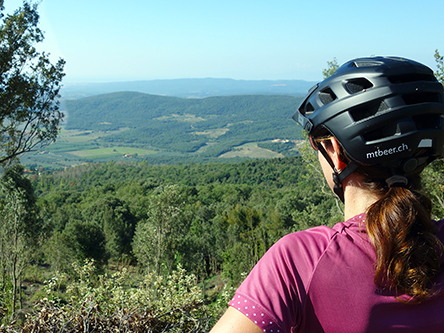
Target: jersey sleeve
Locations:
point(273, 294)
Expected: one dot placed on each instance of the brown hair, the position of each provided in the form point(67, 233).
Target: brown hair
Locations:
point(409, 254)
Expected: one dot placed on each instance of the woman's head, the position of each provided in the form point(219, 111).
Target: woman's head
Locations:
point(386, 112)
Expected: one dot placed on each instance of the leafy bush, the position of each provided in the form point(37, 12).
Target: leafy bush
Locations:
point(84, 302)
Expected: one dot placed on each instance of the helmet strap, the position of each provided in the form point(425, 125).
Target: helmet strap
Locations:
point(339, 176)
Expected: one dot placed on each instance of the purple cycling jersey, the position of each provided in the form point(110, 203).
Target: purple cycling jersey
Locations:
point(321, 280)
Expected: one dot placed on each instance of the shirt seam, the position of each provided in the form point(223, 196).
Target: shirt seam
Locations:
point(333, 236)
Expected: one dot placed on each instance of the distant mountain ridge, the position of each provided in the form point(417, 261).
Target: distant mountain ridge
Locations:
point(191, 88)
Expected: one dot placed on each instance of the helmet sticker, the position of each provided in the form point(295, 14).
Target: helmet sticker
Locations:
point(385, 152)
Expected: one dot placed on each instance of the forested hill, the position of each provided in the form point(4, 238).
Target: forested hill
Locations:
point(138, 110)
point(209, 126)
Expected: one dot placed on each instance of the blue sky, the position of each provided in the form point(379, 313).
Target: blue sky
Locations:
point(240, 39)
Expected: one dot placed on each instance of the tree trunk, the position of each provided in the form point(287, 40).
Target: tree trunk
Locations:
point(20, 293)
point(14, 287)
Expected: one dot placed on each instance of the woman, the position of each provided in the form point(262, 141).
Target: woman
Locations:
point(377, 122)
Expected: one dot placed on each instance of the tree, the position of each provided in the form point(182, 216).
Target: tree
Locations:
point(433, 178)
point(19, 227)
point(29, 85)
point(117, 223)
point(439, 67)
point(433, 175)
point(246, 241)
point(332, 67)
point(85, 239)
point(153, 242)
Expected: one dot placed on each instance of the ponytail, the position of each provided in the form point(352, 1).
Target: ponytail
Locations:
point(408, 251)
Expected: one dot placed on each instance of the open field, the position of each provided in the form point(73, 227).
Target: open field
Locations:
point(86, 144)
point(75, 136)
point(74, 147)
point(111, 152)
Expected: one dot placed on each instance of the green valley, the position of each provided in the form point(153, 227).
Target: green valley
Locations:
point(159, 129)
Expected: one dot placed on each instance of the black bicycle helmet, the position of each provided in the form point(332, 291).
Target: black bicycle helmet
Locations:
point(385, 111)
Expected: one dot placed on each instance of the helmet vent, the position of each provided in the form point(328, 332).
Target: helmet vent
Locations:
point(327, 96)
point(309, 108)
point(368, 110)
point(428, 121)
point(407, 125)
point(423, 97)
point(412, 77)
point(382, 132)
point(366, 63)
point(357, 85)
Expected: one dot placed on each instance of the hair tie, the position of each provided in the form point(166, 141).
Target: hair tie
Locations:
point(396, 180)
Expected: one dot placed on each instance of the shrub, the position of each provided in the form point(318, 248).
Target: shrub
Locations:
point(83, 302)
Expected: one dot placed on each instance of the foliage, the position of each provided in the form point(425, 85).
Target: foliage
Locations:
point(247, 241)
point(117, 222)
point(170, 303)
point(29, 85)
point(433, 180)
point(211, 218)
point(439, 73)
point(19, 232)
point(86, 240)
point(162, 223)
point(332, 67)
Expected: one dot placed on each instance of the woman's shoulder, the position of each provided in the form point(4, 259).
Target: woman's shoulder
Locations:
point(314, 242)
point(322, 235)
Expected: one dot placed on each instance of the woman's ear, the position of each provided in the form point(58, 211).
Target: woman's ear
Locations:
point(334, 151)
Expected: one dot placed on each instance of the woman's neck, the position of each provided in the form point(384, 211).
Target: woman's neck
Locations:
point(357, 197)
